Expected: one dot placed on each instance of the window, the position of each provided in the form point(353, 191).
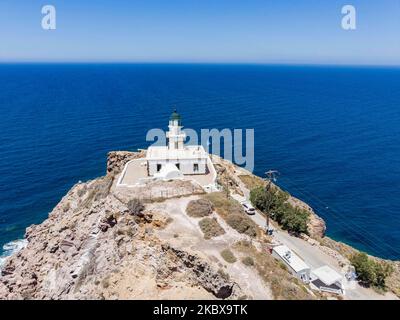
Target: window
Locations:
point(176, 145)
point(177, 165)
point(158, 167)
point(196, 167)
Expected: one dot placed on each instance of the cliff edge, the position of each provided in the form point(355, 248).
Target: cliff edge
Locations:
point(95, 244)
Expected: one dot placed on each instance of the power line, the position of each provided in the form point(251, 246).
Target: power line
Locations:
point(371, 242)
point(336, 214)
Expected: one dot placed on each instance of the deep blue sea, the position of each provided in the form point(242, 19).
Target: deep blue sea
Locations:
point(332, 132)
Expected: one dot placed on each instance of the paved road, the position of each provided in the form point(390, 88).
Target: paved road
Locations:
point(313, 256)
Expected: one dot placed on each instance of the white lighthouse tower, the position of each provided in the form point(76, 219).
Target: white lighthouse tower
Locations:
point(165, 161)
point(176, 137)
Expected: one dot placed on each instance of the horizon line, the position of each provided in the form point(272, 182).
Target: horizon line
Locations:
point(38, 62)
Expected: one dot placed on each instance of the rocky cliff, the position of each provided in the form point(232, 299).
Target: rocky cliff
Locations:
point(93, 246)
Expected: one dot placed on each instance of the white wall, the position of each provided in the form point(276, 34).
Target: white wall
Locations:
point(304, 272)
point(185, 165)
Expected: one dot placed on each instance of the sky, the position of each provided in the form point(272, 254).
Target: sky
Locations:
point(201, 31)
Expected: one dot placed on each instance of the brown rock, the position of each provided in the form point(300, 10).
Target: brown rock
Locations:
point(116, 160)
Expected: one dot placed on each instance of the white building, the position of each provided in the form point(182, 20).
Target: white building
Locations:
point(175, 158)
point(293, 262)
point(328, 280)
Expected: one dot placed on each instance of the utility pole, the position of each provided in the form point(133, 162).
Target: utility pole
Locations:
point(271, 175)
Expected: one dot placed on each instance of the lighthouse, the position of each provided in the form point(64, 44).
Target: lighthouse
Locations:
point(177, 159)
point(176, 137)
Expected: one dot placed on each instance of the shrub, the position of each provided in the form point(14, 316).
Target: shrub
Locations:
point(105, 283)
point(251, 181)
point(211, 228)
point(248, 261)
point(232, 212)
point(82, 190)
point(223, 205)
point(228, 256)
point(294, 220)
point(135, 207)
point(66, 207)
point(370, 272)
point(268, 200)
point(242, 224)
point(260, 198)
point(224, 274)
point(273, 202)
point(199, 208)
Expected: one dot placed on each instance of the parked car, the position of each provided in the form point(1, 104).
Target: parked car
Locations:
point(248, 208)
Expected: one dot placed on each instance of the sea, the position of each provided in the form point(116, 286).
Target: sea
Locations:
point(332, 132)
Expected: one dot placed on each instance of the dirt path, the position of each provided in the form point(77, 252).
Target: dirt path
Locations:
point(185, 233)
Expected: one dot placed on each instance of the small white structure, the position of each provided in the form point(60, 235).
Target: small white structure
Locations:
point(328, 280)
point(294, 263)
point(169, 171)
point(189, 160)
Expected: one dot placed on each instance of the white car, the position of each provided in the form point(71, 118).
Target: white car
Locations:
point(248, 208)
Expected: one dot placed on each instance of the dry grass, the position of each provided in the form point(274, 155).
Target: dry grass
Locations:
point(211, 228)
point(224, 274)
point(98, 190)
point(232, 212)
point(283, 285)
point(228, 256)
point(248, 261)
point(242, 224)
point(251, 182)
point(223, 205)
point(135, 207)
point(199, 208)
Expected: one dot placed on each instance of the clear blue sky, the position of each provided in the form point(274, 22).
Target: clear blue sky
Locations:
point(244, 31)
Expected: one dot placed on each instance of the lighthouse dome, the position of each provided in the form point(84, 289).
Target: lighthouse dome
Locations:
point(175, 116)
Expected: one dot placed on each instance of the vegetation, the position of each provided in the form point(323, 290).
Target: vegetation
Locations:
point(248, 261)
point(223, 205)
point(283, 285)
point(223, 274)
point(232, 212)
point(82, 190)
point(99, 189)
point(199, 208)
point(292, 219)
point(370, 272)
point(274, 202)
point(66, 207)
point(135, 207)
point(211, 228)
point(252, 181)
point(242, 224)
point(228, 256)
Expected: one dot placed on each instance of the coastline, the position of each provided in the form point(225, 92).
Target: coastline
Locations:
point(14, 246)
point(328, 249)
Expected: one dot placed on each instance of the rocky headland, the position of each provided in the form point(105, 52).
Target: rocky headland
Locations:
point(93, 245)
